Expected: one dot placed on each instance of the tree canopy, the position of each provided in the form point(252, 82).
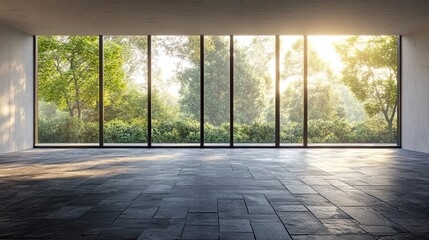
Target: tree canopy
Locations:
point(252, 80)
point(370, 71)
point(68, 72)
point(323, 100)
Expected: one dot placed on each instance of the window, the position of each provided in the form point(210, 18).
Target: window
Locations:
point(333, 90)
point(125, 105)
point(216, 90)
point(291, 90)
point(352, 89)
point(254, 90)
point(68, 97)
point(176, 89)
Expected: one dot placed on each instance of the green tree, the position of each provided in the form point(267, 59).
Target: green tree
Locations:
point(323, 100)
point(68, 73)
point(252, 81)
point(370, 71)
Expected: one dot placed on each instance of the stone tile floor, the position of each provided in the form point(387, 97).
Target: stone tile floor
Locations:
point(214, 194)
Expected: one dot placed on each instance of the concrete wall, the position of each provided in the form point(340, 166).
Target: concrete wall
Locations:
point(415, 91)
point(16, 89)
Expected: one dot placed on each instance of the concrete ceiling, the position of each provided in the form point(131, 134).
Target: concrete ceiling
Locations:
point(238, 17)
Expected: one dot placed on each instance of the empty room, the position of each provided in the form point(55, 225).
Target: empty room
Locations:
point(203, 119)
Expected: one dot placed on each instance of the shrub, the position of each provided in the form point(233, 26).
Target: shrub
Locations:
point(63, 129)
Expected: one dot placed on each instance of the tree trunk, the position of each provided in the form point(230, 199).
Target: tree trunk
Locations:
point(70, 108)
point(79, 112)
point(390, 129)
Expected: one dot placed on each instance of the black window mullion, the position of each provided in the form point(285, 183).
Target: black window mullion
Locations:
point(35, 92)
point(399, 92)
point(277, 93)
point(231, 90)
point(149, 90)
point(202, 90)
point(305, 133)
point(101, 90)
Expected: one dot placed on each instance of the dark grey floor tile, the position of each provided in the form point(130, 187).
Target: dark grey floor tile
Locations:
point(269, 229)
point(203, 207)
point(69, 212)
point(74, 237)
point(140, 223)
point(158, 188)
point(405, 236)
point(233, 207)
point(302, 223)
point(201, 232)
point(86, 227)
point(333, 237)
point(111, 205)
point(99, 216)
point(139, 212)
point(328, 212)
point(171, 212)
point(288, 207)
point(235, 225)
point(236, 236)
point(342, 226)
point(202, 219)
point(383, 230)
point(120, 234)
point(44, 228)
point(366, 216)
point(172, 229)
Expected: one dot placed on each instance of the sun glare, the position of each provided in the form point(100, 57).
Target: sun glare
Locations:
point(325, 49)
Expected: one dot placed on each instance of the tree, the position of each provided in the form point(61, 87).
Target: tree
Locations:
point(370, 71)
point(68, 73)
point(252, 81)
point(323, 100)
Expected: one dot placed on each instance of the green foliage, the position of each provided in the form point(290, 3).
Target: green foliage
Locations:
point(216, 134)
point(68, 73)
point(257, 132)
point(180, 131)
point(66, 130)
point(370, 72)
point(323, 99)
point(291, 132)
point(252, 81)
point(118, 131)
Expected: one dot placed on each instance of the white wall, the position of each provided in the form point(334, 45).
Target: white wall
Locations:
point(16, 89)
point(415, 91)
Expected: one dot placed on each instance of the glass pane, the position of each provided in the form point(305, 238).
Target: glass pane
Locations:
point(176, 89)
point(125, 89)
point(216, 90)
point(352, 90)
point(254, 89)
point(291, 90)
point(68, 89)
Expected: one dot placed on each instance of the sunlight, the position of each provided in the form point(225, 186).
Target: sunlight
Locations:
point(324, 46)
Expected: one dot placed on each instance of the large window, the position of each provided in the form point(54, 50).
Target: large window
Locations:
point(210, 91)
point(254, 89)
point(217, 90)
point(352, 89)
point(176, 89)
point(68, 97)
point(291, 90)
point(125, 106)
